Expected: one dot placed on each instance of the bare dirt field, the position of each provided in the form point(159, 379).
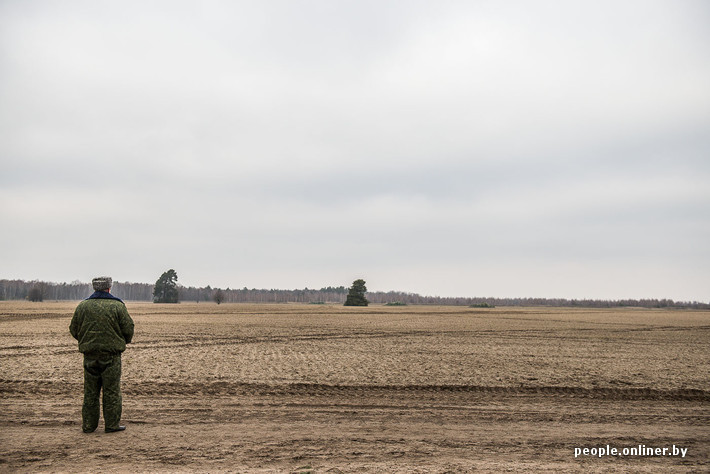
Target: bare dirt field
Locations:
point(322, 388)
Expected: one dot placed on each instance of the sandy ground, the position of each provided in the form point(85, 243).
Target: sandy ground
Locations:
point(299, 388)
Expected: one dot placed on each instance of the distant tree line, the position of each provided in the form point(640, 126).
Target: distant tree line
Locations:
point(76, 290)
point(254, 295)
point(20, 290)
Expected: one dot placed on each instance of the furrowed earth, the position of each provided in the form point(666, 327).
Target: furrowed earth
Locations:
point(325, 388)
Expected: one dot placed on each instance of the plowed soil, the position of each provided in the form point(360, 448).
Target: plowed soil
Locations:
point(322, 388)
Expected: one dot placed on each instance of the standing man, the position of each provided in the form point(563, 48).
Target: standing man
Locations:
point(103, 327)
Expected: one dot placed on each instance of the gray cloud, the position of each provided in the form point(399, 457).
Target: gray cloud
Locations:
point(457, 148)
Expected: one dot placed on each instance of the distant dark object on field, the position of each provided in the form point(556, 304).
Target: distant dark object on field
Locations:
point(36, 293)
point(356, 294)
point(218, 296)
point(482, 305)
point(396, 303)
point(165, 290)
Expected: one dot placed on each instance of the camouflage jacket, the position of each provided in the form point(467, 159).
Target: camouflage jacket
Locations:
point(101, 324)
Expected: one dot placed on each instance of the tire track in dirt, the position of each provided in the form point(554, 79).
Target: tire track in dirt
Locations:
point(195, 342)
point(23, 350)
point(12, 317)
point(17, 386)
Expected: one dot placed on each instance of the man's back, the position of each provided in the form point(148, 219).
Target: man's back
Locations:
point(101, 325)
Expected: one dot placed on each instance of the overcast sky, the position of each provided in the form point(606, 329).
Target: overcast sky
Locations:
point(452, 148)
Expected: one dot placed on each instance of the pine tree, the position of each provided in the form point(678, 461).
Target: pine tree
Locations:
point(165, 290)
point(356, 294)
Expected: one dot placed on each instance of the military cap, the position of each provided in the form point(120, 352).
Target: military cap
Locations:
point(101, 283)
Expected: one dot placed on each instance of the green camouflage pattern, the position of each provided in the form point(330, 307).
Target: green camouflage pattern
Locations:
point(102, 326)
point(101, 372)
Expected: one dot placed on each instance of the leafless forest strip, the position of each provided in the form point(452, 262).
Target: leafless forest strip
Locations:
point(20, 289)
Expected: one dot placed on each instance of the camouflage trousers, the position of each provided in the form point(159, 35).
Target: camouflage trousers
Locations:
point(101, 371)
